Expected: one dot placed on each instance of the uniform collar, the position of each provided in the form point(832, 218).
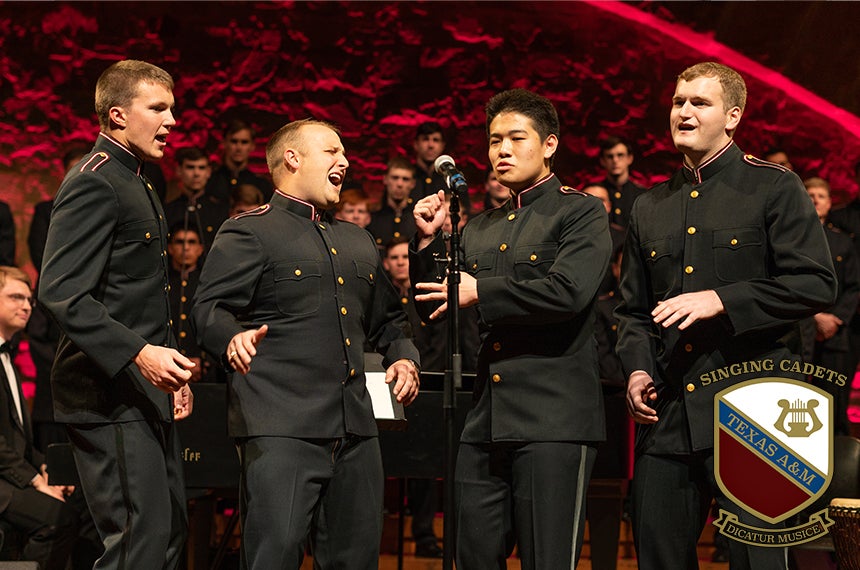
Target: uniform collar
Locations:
point(610, 185)
point(543, 186)
point(713, 165)
point(294, 205)
point(118, 151)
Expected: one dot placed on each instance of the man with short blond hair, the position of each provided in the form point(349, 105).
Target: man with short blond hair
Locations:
point(287, 299)
point(721, 262)
point(118, 382)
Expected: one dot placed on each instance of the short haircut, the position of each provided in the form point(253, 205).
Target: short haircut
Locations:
point(180, 227)
point(73, 155)
point(289, 134)
point(428, 128)
point(775, 150)
point(734, 87)
point(611, 142)
point(10, 272)
point(400, 163)
point(352, 196)
point(539, 109)
point(816, 182)
point(118, 85)
point(394, 242)
point(190, 153)
point(247, 194)
point(237, 125)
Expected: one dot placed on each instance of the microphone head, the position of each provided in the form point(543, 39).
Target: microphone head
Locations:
point(443, 163)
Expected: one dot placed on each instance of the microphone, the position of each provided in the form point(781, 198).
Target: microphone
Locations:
point(444, 165)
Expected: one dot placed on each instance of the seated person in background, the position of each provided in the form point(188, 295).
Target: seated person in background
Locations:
point(27, 501)
point(185, 251)
point(195, 208)
point(394, 219)
point(825, 335)
point(354, 206)
point(238, 144)
point(244, 198)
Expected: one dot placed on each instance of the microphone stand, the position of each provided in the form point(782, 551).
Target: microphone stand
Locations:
point(453, 380)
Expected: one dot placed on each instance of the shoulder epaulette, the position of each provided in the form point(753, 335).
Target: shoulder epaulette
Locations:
point(755, 161)
point(95, 162)
point(571, 190)
point(255, 212)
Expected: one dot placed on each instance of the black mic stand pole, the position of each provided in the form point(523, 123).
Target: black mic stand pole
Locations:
point(453, 380)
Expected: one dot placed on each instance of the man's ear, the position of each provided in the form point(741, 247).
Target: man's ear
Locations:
point(292, 159)
point(550, 145)
point(118, 116)
point(733, 118)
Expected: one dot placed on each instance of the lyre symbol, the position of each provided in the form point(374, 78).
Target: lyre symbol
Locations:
point(797, 425)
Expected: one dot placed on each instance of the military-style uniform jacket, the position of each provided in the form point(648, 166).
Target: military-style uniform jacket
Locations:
point(432, 182)
point(744, 228)
point(606, 334)
point(104, 279)
point(320, 286)
point(847, 219)
point(204, 215)
point(182, 289)
point(844, 259)
point(538, 260)
point(386, 224)
point(431, 338)
point(622, 198)
point(223, 181)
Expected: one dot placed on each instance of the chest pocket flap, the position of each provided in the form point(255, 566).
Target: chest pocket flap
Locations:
point(297, 286)
point(480, 262)
point(739, 254)
point(140, 242)
point(535, 255)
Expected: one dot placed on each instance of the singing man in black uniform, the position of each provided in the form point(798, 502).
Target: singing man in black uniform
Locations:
point(532, 268)
point(117, 380)
point(720, 263)
point(287, 298)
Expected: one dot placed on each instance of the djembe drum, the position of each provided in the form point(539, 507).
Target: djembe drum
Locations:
point(846, 532)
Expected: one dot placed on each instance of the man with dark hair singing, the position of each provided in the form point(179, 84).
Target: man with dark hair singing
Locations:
point(532, 268)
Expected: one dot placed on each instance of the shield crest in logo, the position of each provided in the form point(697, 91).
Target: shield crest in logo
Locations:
point(773, 445)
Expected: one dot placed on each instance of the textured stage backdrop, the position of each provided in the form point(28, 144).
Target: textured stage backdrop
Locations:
point(377, 69)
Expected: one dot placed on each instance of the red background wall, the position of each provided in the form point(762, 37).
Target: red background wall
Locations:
point(377, 69)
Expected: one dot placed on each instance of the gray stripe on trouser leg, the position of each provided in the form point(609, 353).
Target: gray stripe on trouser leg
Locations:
point(581, 489)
